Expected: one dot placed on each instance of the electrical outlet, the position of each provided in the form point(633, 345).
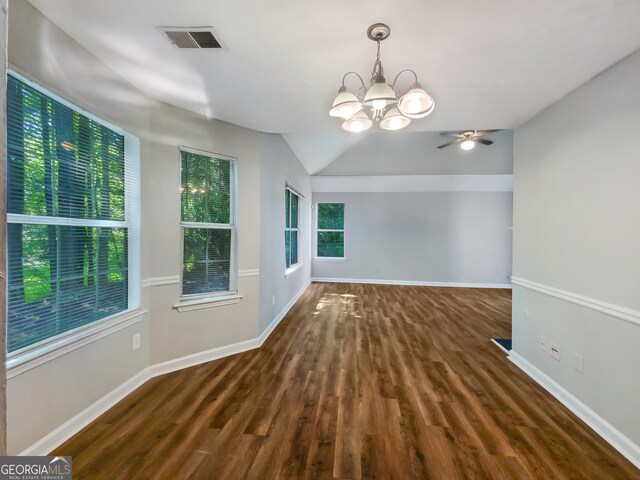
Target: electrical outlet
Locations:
point(579, 364)
point(555, 352)
point(543, 344)
point(273, 300)
point(136, 341)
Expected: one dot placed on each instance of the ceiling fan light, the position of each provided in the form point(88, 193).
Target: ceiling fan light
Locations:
point(416, 103)
point(345, 105)
point(394, 120)
point(467, 145)
point(357, 123)
point(380, 95)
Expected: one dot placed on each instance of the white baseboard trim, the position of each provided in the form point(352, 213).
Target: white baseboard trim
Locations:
point(72, 426)
point(618, 311)
point(603, 428)
point(276, 321)
point(500, 346)
point(201, 357)
point(375, 281)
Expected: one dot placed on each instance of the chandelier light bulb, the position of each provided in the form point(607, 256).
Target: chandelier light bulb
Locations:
point(379, 104)
point(380, 95)
point(467, 145)
point(346, 111)
point(416, 103)
point(394, 120)
point(358, 123)
point(345, 104)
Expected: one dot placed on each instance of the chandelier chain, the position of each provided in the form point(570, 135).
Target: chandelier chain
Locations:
point(378, 70)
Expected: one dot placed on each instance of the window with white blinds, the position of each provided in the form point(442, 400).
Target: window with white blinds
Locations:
point(208, 225)
point(291, 231)
point(73, 217)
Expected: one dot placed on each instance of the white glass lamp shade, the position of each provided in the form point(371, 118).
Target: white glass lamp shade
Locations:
point(358, 123)
point(416, 103)
point(345, 105)
point(467, 145)
point(379, 96)
point(394, 120)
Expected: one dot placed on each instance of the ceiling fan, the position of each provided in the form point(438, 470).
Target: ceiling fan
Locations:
point(468, 138)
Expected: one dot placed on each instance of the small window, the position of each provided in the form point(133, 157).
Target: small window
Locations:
point(291, 231)
point(330, 230)
point(208, 224)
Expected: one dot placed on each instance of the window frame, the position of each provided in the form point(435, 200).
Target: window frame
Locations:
point(30, 356)
point(292, 266)
point(200, 300)
point(317, 257)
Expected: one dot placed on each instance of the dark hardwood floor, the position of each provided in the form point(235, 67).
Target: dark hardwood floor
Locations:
point(358, 381)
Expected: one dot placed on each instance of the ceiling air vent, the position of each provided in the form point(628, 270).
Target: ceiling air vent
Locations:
point(190, 37)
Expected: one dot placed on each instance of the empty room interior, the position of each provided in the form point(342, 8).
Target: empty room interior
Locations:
point(278, 239)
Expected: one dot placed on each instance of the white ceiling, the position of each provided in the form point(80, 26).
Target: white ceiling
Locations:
point(488, 63)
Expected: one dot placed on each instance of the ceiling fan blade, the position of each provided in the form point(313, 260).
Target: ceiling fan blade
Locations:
point(486, 132)
point(447, 144)
point(483, 141)
point(450, 134)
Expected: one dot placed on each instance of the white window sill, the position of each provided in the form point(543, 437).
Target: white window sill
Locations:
point(208, 302)
point(33, 356)
point(292, 269)
point(330, 259)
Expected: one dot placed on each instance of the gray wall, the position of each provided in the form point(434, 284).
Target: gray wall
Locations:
point(577, 229)
point(424, 237)
point(416, 153)
point(177, 334)
point(279, 164)
point(442, 237)
point(43, 398)
point(75, 380)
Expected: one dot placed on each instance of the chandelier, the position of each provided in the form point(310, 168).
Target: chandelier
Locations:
point(391, 110)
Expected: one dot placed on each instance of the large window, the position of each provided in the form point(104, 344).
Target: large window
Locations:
point(73, 206)
point(291, 201)
point(208, 224)
point(330, 230)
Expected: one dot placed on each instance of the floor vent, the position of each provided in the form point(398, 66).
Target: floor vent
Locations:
point(191, 37)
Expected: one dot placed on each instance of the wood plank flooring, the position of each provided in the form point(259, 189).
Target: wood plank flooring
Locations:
point(358, 381)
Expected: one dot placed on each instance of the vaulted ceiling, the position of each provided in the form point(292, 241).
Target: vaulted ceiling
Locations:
point(487, 63)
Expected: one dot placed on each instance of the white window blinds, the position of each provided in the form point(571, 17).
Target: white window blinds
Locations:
point(208, 224)
point(73, 216)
